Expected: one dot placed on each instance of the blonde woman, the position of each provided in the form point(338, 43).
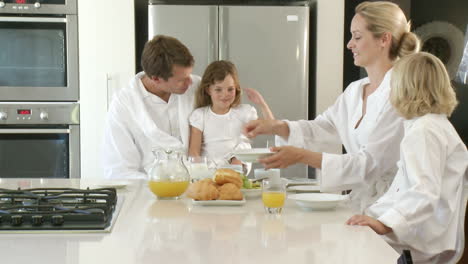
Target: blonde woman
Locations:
point(362, 118)
point(423, 207)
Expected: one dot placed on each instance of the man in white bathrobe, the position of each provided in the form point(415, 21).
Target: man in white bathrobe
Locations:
point(152, 112)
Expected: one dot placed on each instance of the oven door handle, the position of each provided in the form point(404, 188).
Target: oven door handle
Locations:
point(34, 19)
point(35, 131)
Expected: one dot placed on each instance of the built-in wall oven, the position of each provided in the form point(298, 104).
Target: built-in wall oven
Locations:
point(39, 94)
point(39, 50)
point(39, 140)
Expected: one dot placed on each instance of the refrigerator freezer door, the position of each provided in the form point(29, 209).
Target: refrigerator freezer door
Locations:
point(195, 26)
point(269, 46)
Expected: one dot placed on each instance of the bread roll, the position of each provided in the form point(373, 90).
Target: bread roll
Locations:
point(229, 191)
point(223, 176)
point(203, 190)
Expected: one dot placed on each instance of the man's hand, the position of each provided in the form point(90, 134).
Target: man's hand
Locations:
point(364, 220)
point(284, 157)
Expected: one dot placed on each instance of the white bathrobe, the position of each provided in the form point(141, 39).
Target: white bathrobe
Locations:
point(425, 203)
point(132, 130)
point(372, 149)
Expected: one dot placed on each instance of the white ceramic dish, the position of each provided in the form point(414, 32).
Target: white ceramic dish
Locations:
point(317, 201)
point(301, 181)
point(252, 193)
point(112, 184)
point(252, 155)
point(219, 202)
point(304, 188)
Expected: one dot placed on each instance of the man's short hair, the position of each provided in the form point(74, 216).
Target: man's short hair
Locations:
point(163, 52)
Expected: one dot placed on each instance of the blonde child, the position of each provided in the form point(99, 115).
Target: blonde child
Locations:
point(216, 123)
point(423, 207)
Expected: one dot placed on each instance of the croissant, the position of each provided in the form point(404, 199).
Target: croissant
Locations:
point(203, 190)
point(223, 176)
point(230, 191)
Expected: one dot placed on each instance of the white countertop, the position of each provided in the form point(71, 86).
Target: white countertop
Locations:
point(152, 231)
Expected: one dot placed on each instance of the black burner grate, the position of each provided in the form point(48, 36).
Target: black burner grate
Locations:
point(56, 208)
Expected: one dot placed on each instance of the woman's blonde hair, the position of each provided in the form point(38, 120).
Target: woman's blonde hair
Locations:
point(382, 17)
point(217, 72)
point(421, 85)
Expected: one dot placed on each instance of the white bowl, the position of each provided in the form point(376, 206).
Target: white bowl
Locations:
point(317, 201)
point(252, 155)
point(252, 193)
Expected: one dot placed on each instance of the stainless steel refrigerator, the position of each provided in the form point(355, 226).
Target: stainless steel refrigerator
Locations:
point(268, 44)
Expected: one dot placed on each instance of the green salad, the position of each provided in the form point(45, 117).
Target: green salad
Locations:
point(248, 184)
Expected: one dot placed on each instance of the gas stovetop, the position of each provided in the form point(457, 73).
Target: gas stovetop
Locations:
point(57, 209)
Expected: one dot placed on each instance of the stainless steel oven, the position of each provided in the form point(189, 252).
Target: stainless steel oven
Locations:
point(39, 140)
point(39, 50)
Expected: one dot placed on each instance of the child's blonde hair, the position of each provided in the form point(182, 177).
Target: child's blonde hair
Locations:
point(217, 72)
point(420, 85)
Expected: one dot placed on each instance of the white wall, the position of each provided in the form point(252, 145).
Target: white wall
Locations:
point(329, 84)
point(107, 62)
point(330, 26)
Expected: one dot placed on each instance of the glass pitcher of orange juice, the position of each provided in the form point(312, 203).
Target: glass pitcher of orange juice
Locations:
point(168, 177)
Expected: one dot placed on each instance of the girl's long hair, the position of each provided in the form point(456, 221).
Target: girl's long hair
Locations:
point(217, 72)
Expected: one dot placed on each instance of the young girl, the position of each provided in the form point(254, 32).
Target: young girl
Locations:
point(219, 116)
point(423, 209)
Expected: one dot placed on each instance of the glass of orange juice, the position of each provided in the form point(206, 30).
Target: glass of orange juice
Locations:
point(273, 193)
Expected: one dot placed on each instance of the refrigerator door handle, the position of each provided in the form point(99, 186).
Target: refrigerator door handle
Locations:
point(213, 35)
point(223, 49)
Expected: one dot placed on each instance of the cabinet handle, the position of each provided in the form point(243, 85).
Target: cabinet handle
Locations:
point(34, 19)
point(34, 131)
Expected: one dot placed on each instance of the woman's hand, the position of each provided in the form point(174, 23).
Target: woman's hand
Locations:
point(284, 157)
point(266, 127)
point(364, 220)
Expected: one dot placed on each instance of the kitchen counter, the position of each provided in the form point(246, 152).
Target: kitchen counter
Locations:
point(152, 231)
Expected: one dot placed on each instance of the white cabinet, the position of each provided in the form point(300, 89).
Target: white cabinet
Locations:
point(106, 32)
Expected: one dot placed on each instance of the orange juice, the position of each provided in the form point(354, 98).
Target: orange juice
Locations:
point(168, 188)
point(273, 199)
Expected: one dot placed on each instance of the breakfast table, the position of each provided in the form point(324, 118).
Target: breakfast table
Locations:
point(147, 230)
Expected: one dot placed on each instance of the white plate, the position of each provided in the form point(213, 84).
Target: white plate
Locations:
point(317, 201)
point(301, 181)
point(112, 184)
point(252, 155)
point(304, 188)
point(219, 202)
point(252, 193)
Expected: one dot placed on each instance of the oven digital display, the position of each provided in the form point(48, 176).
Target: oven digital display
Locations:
point(24, 111)
point(18, 1)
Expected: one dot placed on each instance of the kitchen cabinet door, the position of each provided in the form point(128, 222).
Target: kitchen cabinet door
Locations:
point(106, 32)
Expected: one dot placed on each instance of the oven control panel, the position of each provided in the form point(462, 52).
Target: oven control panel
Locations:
point(38, 6)
point(39, 113)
